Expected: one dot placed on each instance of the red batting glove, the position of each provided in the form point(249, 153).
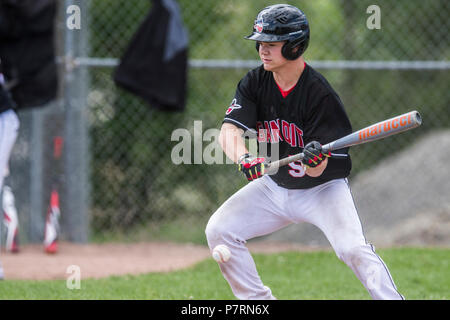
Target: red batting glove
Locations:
point(252, 167)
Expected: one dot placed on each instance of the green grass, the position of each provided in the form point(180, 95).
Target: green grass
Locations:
point(419, 274)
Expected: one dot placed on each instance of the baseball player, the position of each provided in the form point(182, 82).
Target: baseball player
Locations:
point(9, 126)
point(291, 108)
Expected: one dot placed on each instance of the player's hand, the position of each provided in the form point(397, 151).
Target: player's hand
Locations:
point(313, 155)
point(252, 167)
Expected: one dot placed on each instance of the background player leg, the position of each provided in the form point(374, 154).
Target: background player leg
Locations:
point(9, 125)
point(251, 212)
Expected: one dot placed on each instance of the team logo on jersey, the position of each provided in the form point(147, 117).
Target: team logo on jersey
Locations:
point(275, 131)
point(233, 106)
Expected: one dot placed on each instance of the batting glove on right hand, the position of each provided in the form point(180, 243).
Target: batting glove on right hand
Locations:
point(313, 155)
point(252, 167)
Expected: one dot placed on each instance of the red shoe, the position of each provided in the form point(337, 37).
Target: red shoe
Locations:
point(52, 247)
point(51, 232)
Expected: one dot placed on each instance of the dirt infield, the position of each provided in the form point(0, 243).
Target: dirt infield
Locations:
point(103, 260)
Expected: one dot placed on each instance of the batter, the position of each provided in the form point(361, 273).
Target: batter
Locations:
point(9, 125)
point(291, 108)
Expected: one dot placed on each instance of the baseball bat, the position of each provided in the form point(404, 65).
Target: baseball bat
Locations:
point(373, 132)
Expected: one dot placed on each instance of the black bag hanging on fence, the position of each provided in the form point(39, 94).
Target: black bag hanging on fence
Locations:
point(154, 65)
point(27, 50)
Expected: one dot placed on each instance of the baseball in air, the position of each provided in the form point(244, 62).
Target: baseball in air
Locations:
point(221, 253)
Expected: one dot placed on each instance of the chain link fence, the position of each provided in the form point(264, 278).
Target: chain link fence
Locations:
point(383, 61)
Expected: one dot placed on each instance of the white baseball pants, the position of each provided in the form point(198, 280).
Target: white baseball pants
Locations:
point(9, 126)
point(262, 207)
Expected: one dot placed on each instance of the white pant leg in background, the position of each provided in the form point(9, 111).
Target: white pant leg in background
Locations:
point(9, 126)
point(335, 214)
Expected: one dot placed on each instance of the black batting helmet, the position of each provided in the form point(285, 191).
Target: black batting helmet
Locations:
point(282, 22)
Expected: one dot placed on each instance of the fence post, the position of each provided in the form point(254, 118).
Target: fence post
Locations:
point(75, 207)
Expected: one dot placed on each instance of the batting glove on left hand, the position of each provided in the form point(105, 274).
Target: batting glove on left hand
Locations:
point(252, 167)
point(313, 155)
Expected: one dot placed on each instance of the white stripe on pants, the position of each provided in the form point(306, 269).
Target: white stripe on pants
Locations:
point(262, 207)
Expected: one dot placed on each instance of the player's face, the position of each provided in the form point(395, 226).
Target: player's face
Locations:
point(270, 54)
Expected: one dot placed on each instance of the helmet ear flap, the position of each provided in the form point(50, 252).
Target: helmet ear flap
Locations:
point(257, 46)
point(288, 50)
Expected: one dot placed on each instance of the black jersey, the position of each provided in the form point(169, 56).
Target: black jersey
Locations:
point(311, 111)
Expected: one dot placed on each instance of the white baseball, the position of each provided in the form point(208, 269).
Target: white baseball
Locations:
point(221, 253)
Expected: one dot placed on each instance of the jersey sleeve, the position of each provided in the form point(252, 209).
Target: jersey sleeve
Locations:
point(242, 110)
point(328, 121)
point(6, 101)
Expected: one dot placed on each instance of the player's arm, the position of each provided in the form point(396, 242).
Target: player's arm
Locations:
point(317, 171)
point(6, 101)
point(232, 142)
